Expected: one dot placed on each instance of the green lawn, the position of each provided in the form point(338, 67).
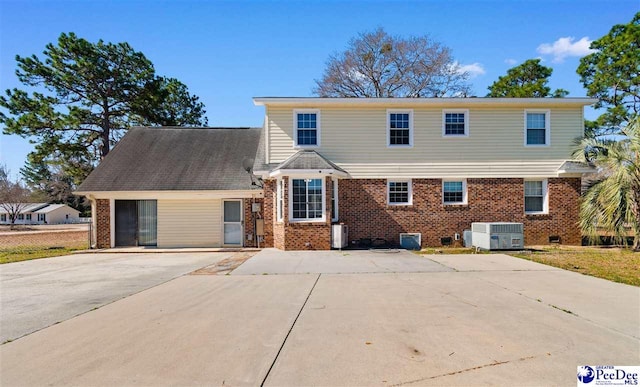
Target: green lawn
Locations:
point(17, 254)
point(611, 263)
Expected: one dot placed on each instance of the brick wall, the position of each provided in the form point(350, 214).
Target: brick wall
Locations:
point(249, 222)
point(363, 207)
point(297, 235)
point(103, 224)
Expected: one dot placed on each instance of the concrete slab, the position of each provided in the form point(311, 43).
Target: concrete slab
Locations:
point(488, 262)
point(438, 329)
point(605, 303)
point(194, 330)
point(38, 293)
point(273, 261)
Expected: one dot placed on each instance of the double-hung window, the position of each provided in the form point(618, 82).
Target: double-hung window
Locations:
point(20, 216)
point(537, 129)
point(400, 128)
point(28, 216)
point(307, 128)
point(307, 199)
point(535, 196)
point(399, 192)
point(455, 123)
point(3, 218)
point(42, 217)
point(454, 192)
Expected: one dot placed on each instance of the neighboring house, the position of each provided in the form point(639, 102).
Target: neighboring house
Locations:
point(380, 166)
point(43, 213)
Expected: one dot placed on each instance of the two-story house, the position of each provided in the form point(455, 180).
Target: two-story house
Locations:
point(380, 166)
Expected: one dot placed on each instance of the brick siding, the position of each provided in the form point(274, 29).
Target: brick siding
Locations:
point(103, 224)
point(363, 207)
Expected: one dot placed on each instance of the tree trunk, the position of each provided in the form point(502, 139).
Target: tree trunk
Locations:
point(106, 129)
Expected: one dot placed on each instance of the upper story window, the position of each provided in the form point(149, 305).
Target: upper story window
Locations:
point(537, 132)
point(454, 192)
point(307, 199)
point(455, 123)
point(400, 128)
point(306, 128)
point(399, 192)
point(535, 197)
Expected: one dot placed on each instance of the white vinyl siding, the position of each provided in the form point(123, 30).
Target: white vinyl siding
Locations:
point(192, 223)
point(355, 138)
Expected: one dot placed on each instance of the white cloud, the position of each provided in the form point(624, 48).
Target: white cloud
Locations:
point(510, 61)
point(566, 47)
point(473, 69)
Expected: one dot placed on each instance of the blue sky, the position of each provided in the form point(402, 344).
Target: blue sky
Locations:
point(227, 52)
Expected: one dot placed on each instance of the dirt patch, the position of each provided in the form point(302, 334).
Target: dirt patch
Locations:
point(50, 239)
point(227, 265)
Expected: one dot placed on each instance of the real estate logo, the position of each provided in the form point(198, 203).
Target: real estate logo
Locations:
point(608, 375)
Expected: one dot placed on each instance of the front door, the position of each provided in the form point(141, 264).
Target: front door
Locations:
point(232, 222)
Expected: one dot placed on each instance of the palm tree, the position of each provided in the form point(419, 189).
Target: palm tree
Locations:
point(612, 202)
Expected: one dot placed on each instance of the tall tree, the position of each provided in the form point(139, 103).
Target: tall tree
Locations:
point(612, 73)
point(528, 80)
point(92, 94)
point(612, 202)
point(83, 97)
point(14, 198)
point(377, 64)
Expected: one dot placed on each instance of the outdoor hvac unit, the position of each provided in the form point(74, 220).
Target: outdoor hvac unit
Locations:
point(339, 236)
point(411, 241)
point(497, 236)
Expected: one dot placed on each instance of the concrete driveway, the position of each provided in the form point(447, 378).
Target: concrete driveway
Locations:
point(36, 294)
point(456, 320)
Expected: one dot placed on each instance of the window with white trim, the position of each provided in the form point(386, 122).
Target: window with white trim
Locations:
point(455, 123)
point(400, 128)
point(454, 191)
point(535, 196)
point(334, 200)
point(42, 217)
point(279, 200)
point(536, 128)
point(399, 192)
point(307, 128)
point(307, 199)
point(28, 216)
point(20, 216)
point(3, 217)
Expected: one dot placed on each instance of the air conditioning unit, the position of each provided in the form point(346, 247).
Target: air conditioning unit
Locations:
point(497, 235)
point(411, 241)
point(339, 236)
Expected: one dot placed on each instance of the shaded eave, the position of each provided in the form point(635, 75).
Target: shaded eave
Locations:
point(473, 101)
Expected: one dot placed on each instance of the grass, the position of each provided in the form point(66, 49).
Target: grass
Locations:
point(450, 250)
point(611, 263)
point(25, 253)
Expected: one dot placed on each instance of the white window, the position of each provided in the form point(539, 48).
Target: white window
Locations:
point(3, 217)
point(400, 128)
point(454, 191)
point(306, 198)
point(28, 216)
point(279, 200)
point(334, 200)
point(536, 128)
point(306, 125)
point(535, 197)
point(399, 192)
point(42, 217)
point(20, 216)
point(455, 123)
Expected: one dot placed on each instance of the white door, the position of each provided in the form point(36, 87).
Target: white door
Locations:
point(232, 222)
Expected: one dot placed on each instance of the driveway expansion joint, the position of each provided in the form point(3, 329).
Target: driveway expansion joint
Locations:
point(266, 376)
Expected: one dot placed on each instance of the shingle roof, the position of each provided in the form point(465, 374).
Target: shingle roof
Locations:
point(307, 159)
point(158, 159)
